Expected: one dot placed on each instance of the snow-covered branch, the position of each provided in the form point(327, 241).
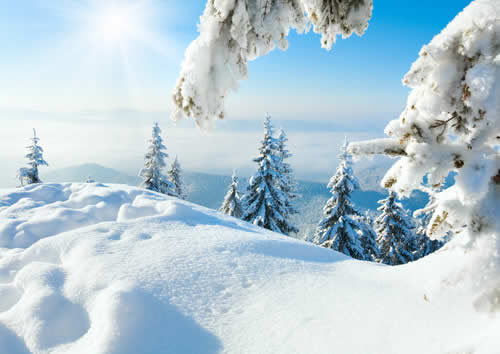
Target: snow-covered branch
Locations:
point(233, 32)
point(452, 121)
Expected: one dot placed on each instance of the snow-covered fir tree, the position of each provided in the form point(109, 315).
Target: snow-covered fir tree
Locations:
point(424, 244)
point(286, 183)
point(395, 232)
point(154, 163)
point(369, 239)
point(175, 177)
point(264, 202)
point(29, 175)
point(451, 124)
point(343, 226)
point(232, 203)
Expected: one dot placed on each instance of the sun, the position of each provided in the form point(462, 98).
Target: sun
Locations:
point(115, 24)
point(111, 47)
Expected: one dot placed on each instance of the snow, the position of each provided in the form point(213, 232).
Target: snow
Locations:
point(94, 268)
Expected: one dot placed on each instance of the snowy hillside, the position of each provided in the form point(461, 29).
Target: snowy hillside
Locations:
point(92, 268)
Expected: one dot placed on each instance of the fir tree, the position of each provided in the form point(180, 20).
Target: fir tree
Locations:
point(287, 182)
point(154, 163)
point(232, 204)
point(394, 230)
point(175, 177)
point(35, 160)
point(343, 228)
point(369, 239)
point(449, 125)
point(265, 203)
point(424, 244)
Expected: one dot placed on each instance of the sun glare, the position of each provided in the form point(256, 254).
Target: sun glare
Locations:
point(111, 46)
point(116, 24)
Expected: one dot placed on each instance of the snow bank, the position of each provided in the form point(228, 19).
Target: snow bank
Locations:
point(92, 268)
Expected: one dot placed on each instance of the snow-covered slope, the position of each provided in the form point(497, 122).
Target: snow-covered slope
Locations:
point(92, 268)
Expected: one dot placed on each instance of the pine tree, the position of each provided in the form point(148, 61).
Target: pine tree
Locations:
point(175, 177)
point(154, 163)
point(35, 160)
point(369, 239)
point(232, 204)
point(424, 244)
point(265, 204)
point(449, 125)
point(394, 230)
point(343, 228)
point(287, 182)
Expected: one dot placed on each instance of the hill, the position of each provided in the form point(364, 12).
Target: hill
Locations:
point(94, 268)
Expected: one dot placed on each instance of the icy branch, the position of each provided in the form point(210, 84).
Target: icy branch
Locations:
point(233, 32)
point(390, 147)
point(452, 121)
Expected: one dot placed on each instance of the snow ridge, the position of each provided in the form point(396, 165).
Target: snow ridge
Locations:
point(155, 274)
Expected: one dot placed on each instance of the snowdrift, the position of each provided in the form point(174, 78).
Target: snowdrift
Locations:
point(93, 268)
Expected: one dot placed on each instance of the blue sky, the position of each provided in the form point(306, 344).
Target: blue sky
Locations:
point(61, 61)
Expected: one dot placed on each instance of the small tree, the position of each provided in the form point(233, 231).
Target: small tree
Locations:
point(35, 158)
point(232, 204)
point(343, 227)
point(154, 163)
point(286, 183)
point(265, 203)
point(424, 244)
point(175, 177)
point(369, 239)
point(394, 230)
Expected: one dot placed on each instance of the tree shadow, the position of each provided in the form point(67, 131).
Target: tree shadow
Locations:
point(296, 250)
point(10, 343)
point(149, 326)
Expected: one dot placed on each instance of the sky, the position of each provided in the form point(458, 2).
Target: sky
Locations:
point(92, 76)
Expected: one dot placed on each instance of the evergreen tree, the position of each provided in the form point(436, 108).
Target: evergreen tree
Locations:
point(232, 204)
point(287, 182)
point(35, 160)
point(449, 126)
point(265, 203)
point(369, 239)
point(424, 244)
point(343, 228)
point(154, 163)
point(175, 177)
point(395, 234)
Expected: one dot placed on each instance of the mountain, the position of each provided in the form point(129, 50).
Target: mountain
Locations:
point(80, 173)
point(94, 268)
